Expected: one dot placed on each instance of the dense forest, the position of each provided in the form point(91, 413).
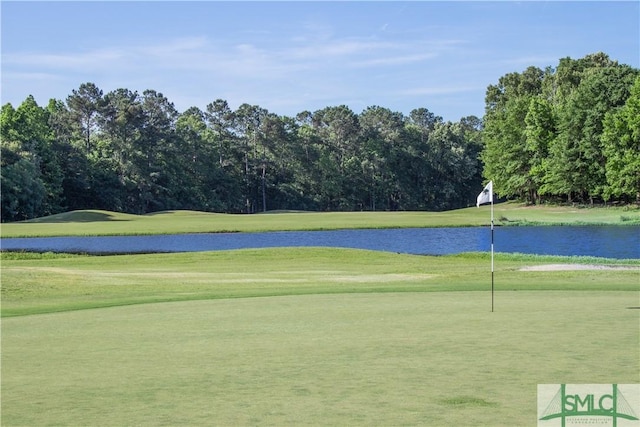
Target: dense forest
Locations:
point(569, 134)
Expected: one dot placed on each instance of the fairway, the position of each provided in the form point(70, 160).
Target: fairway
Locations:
point(437, 358)
point(307, 336)
point(97, 223)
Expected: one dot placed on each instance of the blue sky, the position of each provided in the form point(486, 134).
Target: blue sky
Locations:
point(293, 56)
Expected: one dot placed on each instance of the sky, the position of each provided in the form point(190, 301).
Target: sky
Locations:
point(292, 56)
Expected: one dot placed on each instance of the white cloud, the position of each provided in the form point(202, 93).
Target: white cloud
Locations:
point(393, 60)
point(526, 61)
point(232, 61)
point(308, 73)
point(438, 90)
point(177, 46)
point(30, 76)
point(337, 48)
point(77, 61)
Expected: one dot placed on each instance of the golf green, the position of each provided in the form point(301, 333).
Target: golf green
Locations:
point(409, 358)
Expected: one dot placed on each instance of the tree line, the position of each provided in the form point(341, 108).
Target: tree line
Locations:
point(564, 134)
point(131, 152)
point(569, 134)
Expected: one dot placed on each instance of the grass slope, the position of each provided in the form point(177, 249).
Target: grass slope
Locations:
point(33, 283)
point(94, 222)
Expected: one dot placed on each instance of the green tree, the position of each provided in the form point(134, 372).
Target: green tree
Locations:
point(23, 191)
point(505, 156)
point(72, 157)
point(471, 130)
point(220, 120)
point(452, 160)
point(84, 106)
point(281, 158)
point(307, 148)
point(383, 133)
point(577, 159)
point(201, 182)
point(540, 132)
point(621, 145)
point(189, 160)
point(570, 72)
point(26, 129)
point(248, 120)
point(338, 129)
point(121, 122)
point(155, 151)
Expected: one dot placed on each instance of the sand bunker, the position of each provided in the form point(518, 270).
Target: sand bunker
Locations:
point(570, 267)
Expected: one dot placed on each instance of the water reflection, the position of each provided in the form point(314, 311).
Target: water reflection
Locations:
point(602, 241)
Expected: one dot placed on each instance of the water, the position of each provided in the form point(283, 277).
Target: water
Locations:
point(600, 241)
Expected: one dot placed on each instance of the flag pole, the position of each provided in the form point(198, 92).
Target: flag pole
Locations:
point(486, 196)
point(492, 253)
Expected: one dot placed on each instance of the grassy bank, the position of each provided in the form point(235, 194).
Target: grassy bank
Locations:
point(174, 222)
point(51, 283)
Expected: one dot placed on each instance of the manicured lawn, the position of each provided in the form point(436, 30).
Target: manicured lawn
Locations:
point(409, 358)
point(307, 336)
point(111, 223)
point(49, 283)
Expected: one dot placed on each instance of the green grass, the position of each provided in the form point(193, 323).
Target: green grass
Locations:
point(436, 359)
point(52, 283)
point(94, 222)
point(306, 336)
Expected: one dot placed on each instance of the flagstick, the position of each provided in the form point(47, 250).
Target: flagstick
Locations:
point(492, 254)
point(484, 197)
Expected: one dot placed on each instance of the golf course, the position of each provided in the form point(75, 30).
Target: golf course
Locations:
point(308, 336)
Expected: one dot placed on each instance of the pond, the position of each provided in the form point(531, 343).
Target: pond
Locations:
point(622, 242)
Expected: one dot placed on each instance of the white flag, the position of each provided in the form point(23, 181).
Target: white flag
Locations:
point(486, 196)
